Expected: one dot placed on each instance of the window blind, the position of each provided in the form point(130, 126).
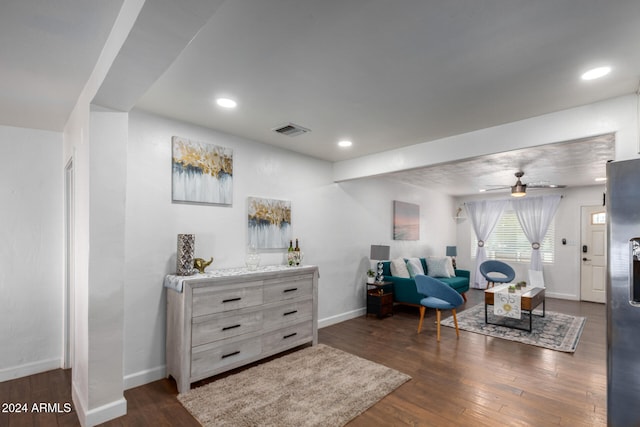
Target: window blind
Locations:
point(508, 242)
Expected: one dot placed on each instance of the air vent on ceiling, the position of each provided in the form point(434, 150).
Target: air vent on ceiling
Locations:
point(291, 129)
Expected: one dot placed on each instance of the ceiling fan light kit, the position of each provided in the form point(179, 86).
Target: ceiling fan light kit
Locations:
point(520, 189)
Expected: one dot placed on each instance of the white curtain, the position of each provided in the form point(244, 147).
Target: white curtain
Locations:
point(535, 215)
point(484, 215)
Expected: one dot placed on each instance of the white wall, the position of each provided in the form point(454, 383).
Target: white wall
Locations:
point(31, 232)
point(93, 404)
point(108, 165)
point(562, 278)
point(335, 223)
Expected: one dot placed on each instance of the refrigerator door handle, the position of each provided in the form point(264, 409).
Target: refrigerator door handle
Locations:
point(634, 273)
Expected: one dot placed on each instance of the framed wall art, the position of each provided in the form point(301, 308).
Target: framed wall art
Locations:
point(406, 221)
point(269, 223)
point(201, 172)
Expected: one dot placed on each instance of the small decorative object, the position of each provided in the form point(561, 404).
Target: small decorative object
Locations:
point(294, 258)
point(512, 289)
point(522, 284)
point(201, 264)
point(252, 260)
point(184, 258)
point(518, 287)
point(371, 276)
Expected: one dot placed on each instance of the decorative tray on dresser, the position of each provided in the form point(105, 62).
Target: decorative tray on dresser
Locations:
point(224, 319)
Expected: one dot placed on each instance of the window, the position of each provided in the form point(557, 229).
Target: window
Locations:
point(508, 242)
point(598, 218)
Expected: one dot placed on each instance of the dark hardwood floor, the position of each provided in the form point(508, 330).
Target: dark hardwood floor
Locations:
point(471, 381)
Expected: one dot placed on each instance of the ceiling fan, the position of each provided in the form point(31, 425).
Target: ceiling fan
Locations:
point(520, 190)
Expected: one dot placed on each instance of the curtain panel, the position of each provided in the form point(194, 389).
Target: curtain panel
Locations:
point(535, 215)
point(484, 215)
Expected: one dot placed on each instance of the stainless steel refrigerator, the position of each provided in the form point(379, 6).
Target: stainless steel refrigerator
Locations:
point(623, 293)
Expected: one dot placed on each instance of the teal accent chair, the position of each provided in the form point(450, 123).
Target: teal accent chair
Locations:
point(489, 268)
point(440, 296)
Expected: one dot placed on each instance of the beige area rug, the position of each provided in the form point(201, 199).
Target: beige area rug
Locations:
point(316, 386)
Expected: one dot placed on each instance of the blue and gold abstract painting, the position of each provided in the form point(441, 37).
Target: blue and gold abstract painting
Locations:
point(201, 172)
point(269, 223)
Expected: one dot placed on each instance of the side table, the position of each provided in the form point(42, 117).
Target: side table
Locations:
point(380, 299)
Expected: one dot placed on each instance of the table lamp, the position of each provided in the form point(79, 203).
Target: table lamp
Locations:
point(379, 253)
point(452, 251)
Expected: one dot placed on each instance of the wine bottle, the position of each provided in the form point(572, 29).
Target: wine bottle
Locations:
point(290, 246)
point(297, 249)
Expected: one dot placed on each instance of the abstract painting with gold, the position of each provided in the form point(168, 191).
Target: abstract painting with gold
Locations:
point(269, 223)
point(201, 172)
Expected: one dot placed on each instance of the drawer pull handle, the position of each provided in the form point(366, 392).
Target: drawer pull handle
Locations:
point(231, 299)
point(290, 290)
point(290, 312)
point(290, 335)
point(224, 356)
point(226, 328)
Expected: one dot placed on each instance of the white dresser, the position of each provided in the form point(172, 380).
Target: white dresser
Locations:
point(227, 319)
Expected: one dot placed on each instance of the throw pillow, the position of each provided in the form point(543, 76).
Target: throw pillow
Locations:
point(437, 267)
point(414, 266)
point(399, 268)
point(452, 272)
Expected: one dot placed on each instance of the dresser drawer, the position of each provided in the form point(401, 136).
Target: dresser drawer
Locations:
point(210, 358)
point(288, 313)
point(287, 337)
point(288, 288)
point(219, 326)
point(210, 301)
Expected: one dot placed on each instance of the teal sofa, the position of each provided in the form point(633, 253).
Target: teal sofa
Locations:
point(405, 291)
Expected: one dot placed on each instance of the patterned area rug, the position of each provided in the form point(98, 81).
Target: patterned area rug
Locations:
point(316, 386)
point(555, 331)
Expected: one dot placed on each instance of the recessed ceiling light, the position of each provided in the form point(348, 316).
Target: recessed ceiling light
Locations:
point(596, 73)
point(600, 179)
point(344, 143)
point(226, 103)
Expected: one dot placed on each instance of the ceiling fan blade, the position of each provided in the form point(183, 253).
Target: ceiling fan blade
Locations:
point(508, 187)
point(545, 186)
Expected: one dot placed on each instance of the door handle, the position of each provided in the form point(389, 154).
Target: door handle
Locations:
point(586, 259)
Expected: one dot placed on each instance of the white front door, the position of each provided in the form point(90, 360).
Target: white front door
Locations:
point(593, 254)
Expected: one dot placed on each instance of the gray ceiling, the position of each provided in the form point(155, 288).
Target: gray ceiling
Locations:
point(48, 50)
point(572, 163)
point(383, 74)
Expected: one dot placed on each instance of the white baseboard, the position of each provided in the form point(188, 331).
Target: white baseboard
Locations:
point(328, 321)
point(29, 369)
point(560, 296)
point(144, 377)
point(98, 415)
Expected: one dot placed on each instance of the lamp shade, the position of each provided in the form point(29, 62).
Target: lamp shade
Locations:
point(379, 252)
point(452, 251)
